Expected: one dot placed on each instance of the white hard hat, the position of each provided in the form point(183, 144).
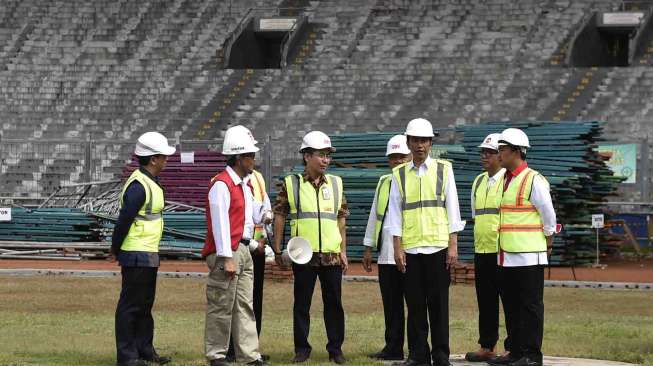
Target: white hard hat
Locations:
point(515, 137)
point(238, 140)
point(397, 145)
point(491, 142)
point(153, 143)
point(316, 140)
point(419, 127)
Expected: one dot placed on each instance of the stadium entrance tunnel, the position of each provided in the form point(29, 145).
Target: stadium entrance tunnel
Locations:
point(264, 42)
point(610, 39)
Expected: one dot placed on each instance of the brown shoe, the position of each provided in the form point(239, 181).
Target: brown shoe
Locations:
point(482, 355)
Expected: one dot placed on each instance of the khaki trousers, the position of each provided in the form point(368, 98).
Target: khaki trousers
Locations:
point(230, 308)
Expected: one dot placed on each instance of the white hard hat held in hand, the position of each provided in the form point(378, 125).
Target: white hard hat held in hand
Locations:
point(515, 137)
point(419, 127)
point(491, 142)
point(153, 143)
point(317, 140)
point(239, 140)
point(397, 145)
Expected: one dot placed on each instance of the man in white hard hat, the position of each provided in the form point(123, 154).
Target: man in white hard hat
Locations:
point(526, 227)
point(424, 219)
point(230, 214)
point(487, 191)
point(135, 243)
point(317, 207)
point(391, 280)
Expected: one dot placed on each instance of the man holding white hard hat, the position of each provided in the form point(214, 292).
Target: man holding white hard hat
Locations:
point(230, 216)
point(317, 207)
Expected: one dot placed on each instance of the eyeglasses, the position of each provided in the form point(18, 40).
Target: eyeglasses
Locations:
point(322, 155)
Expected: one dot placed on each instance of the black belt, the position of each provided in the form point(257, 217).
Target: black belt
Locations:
point(244, 242)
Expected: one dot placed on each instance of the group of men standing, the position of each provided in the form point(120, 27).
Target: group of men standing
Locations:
point(413, 226)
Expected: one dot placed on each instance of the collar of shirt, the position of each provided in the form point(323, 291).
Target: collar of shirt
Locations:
point(320, 180)
point(425, 164)
point(509, 175)
point(144, 171)
point(235, 177)
point(493, 179)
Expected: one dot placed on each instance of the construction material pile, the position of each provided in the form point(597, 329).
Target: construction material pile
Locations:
point(564, 152)
point(187, 182)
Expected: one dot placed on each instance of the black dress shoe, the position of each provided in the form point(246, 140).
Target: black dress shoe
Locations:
point(337, 358)
point(230, 358)
point(136, 362)
point(502, 360)
point(526, 361)
point(160, 360)
point(410, 362)
point(259, 362)
point(265, 357)
point(301, 357)
point(386, 356)
point(220, 362)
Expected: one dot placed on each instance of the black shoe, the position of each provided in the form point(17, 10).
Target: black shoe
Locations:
point(410, 362)
point(259, 362)
point(230, 358)
point(337, 358)
point(219, 362)
point(502, 360)
point(386, 356)
point(265, 357)
point(136, 362)
point(301, 357)
point(160, 360)
point(526, 361)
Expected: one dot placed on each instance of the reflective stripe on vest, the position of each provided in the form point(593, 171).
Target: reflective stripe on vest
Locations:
point(424, 216)
point(486, 213)
point(258, 186)
point(314, 213)
point(520, 228)
point(382, 197)
point(145, 232)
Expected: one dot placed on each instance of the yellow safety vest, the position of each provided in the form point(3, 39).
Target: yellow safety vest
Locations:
point(258, 185)
point(314, 213)
point(486, 210)
point(382, 197)
point(145, 232)
point(520, 228)
point(424, 215)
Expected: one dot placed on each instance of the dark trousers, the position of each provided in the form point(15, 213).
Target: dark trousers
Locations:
point(391, 282)
point(134, 322)
point(487, 279)
point(427, 296)
point(523, 289)
point(334, 315)
point(257, 296)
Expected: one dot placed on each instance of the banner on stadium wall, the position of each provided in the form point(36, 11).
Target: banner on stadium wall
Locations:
point(623, 161)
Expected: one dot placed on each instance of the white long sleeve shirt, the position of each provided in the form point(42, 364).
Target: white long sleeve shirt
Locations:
point(387, 253)
point(393, 222)
point(219, 201)
point(541, 199)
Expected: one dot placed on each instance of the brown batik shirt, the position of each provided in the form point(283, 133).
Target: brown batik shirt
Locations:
point(282, 207)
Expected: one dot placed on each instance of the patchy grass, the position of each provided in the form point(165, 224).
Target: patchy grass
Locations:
point(69, 321)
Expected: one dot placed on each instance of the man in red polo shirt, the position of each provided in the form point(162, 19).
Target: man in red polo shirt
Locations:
point(229, 214)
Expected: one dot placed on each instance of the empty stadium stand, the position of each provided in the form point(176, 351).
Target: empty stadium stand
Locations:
point(89, 70)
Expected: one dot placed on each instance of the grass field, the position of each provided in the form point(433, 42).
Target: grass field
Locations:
point(69, 321)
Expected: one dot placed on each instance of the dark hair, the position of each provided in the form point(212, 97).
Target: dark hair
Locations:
point(144, 160)
point(307, 150)
point(409, 136)
point(231, 161)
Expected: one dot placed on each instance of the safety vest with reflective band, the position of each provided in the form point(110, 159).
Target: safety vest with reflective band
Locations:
point(424, 215)
point(314, 213)
point(258, 187)
point(486, 211)
point(146, 230)
point(520, 228)
point(382, 197)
